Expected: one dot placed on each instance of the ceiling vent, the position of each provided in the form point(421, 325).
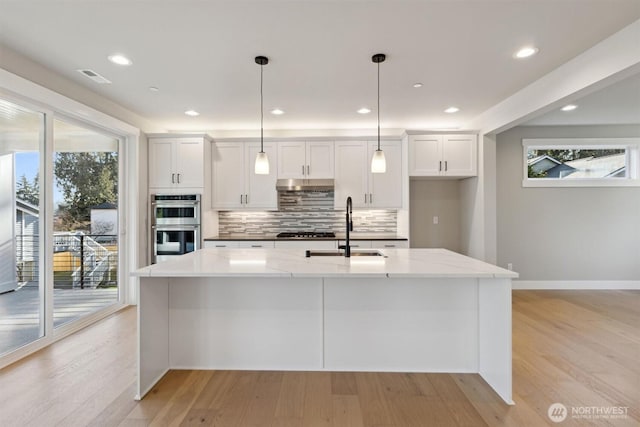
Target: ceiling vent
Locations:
point(95, 76)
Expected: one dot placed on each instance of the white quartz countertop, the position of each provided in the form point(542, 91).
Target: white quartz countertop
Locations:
point(406, 263)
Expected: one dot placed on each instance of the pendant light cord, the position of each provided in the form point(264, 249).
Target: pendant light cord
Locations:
point(378, 106)
point(261, 112)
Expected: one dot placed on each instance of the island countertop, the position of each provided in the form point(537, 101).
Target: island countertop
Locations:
point(400, 263)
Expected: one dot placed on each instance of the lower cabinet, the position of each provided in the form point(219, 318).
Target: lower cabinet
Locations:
point(376, 244)
point(306, 244)
point(266, 244)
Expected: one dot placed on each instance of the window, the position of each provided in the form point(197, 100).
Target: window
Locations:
point(589, 162)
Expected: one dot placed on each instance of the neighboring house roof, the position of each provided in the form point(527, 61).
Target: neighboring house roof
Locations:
point(105, 205)
point(560, 171)
point(27, 207)
point(543, 163)
point(598, 167)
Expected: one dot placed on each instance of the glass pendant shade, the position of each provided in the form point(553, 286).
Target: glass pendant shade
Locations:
point(262, 164)
point(378, 162)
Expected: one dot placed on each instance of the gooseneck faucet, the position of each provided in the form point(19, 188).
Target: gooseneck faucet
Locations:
point(347, 247)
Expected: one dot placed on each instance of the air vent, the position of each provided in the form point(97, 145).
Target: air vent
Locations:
point(94, 76)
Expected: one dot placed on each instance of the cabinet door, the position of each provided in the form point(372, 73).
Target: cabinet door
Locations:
point(357, 244)
point(459, 155)
point(320, 158)
point(389, 244)
point(291, 159)
point(261, 189)
point(257, 244)
point(220, 244)
point(228, 175)
point(351, 171)
point(161, 170)
point(305, 244)
point(190, 163)
point(385, 189)
point(425, 155)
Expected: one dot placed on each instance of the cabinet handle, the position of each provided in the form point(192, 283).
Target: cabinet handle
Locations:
point(365, 197)
point(389, 246)
point(246, 199)
point(308, 170)
point(256, 246)
point(178, 178)
point(302, 169)
point(173, 178)
point(241, 202)
point(370, 197)
point(440, 166)
point(446, 166)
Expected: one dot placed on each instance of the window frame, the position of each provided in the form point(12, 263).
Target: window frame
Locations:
point(631, 145)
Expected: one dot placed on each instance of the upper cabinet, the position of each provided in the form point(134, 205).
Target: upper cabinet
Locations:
point(443, 155)
point(305, 159)
point(176, 162)
point(353, 175)
point(235, 185)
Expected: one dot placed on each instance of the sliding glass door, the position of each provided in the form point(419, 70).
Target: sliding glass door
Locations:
point(59, 216)
point(21, 277)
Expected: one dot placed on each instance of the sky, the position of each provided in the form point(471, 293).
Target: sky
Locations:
point(27, 164)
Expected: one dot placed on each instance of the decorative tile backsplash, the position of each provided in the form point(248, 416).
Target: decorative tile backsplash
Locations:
point(304, 211)
point(261, 223)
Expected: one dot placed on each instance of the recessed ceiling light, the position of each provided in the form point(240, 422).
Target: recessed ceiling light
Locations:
point(364, 110)
point(192, 113)
point(526, 52)
point(452, 110)
point(154, 89)
point(120, 59)
point(277, 112)
point(417, 85)
point(569, 107)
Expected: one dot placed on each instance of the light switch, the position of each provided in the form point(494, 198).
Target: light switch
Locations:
point(435, 220)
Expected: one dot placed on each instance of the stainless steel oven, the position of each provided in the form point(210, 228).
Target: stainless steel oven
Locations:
point(175, 225)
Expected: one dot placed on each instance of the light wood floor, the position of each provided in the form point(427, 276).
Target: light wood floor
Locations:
point(579, 348)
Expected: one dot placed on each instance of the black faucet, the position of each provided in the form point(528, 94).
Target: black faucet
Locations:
point(347, 247)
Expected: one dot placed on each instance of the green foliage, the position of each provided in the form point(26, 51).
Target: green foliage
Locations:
point(533, 174)
point(28, 191)
point(568, 155)
point(86, 180)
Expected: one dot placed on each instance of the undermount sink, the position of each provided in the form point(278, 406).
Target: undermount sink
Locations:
point(310, 253)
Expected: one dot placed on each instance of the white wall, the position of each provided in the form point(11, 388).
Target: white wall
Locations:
point(565, 234)
point(435, 198)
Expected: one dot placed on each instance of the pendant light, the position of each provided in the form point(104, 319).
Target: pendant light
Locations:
point(262, 161)
point(378, 162)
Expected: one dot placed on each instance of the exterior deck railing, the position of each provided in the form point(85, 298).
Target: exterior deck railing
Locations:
point(79, 260)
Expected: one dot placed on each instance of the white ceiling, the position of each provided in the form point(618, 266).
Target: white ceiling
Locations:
point(617, 104)
point(201, 55)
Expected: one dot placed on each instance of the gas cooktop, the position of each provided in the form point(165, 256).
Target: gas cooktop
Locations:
point(306, 235)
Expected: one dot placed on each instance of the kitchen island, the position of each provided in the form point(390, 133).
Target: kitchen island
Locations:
point(411, 310)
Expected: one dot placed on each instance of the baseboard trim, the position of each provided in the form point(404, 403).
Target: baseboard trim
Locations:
point(576, 284)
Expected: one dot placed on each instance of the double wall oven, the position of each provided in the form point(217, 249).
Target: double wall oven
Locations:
point(175, 225)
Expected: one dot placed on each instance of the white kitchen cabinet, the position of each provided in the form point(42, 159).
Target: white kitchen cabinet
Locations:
point(305, 159)
point(354, 177)
point(443, 155)
point(176, 162)
point(264, 244)
point(305, 244)
point(376, 244)
point(235, 184)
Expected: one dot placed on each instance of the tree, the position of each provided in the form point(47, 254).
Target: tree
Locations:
point(27, 191)
point(86, 180)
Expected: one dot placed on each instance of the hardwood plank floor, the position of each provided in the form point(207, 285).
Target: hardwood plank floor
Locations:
point(578, 348)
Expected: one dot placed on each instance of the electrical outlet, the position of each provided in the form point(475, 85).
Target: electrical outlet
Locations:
point(435, 220)
point(510, 266)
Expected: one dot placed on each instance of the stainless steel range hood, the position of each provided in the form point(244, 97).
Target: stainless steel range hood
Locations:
point(304, 184)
